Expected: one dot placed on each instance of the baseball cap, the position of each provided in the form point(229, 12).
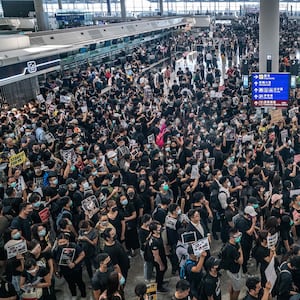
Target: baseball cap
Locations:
point(275, 198)
point(110, 154)
point(249, 210)
point(252, 200)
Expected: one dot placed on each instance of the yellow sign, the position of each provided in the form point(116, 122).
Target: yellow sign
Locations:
point(152, 291)
point(17, 159)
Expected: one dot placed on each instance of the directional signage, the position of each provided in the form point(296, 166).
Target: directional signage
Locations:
point(270, 89)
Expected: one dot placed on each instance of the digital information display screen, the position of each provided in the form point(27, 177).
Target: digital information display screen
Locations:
point(270, 89)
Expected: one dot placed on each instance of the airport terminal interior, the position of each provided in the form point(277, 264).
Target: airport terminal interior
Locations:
point(149, 149)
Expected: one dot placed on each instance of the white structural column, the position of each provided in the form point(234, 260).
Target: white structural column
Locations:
point(269, 34)
point(41, 16)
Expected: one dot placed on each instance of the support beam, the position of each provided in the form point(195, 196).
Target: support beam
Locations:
point(269, 34)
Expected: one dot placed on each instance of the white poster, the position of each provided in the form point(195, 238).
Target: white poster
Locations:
point(272, 240)
point(271, 273)
point(15, 249)
point(90, 206)
point(200, 246)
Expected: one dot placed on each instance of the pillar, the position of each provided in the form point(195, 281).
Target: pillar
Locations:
point(269, 34)
point(59, 4)
point(41, 16)
point(161, 7)
point(123, 9)
point(108, 7)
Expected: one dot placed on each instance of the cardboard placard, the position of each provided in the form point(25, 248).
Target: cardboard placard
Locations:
point(90, 206)
point(44, 215)
point(151, 139)
point(152, 291)
point(293, 112)
point(272, 240)
point(276, 116)
point(67, 256)
point(200, 246)
point(17, 159)
point(19, 247)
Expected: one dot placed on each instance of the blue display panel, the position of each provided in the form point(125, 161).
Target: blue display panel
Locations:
point(270, 89)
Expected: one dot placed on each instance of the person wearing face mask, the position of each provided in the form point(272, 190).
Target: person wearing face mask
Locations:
point(231, 260)
point(145, 196)
point(88, 240)
point(171, 172)
point(100, 277)
point(35, 200)
point(35, 280)
point(38, 176)
point(255, 291)
point(102, 224)
point(246, 224)
point(114, 289)
point(70, 269)
point(11, 202)
point(40, 234)
point(290, 171)
point(276, 209)
point(204, 179)
point(172, 225)
point(164, 193)
point(23, 221)
point(116, 218)
point(135, 199)
point(116, 252)
point(262, 254)
point(51, 191)
point(130, 217)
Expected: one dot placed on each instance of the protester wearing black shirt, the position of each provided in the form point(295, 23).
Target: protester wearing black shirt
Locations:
point(255, 290)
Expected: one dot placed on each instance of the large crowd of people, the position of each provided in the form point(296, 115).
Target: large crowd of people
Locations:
point(91, 179)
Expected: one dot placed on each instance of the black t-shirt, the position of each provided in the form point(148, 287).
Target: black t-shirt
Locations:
point(118, 256)
point(100, 279)
point(243, 225)
point(7, 289)
point(127, 211)
point(249, 297)
point(231, 255)
point(285, 283)
point(157, 244)
point(143, 235)
point(38, 277)
point(260, 255)
point(23, 225)
point(212, 287)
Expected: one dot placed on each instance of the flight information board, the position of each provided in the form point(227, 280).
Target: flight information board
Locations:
point(270, 89)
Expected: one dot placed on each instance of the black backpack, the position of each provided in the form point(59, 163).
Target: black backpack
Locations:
point(160, 78)
point(148, 256)
point(279, 272)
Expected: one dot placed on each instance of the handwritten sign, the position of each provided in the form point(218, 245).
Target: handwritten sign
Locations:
point(13, 250)
point(17, 159)
point(276, 116)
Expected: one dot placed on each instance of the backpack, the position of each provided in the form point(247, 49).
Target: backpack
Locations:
point(279, 271)
point(183, 258)
point(148, 256)
point(214, 200)
point(224, 264)
point(183, 273)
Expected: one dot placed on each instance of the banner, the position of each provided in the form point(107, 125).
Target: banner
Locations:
point(18, 247)
point(200, 246)
point(17, 159)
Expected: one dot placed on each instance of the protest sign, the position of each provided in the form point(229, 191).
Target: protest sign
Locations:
point(44, 215)
point(90, 206)
point(151, 139)
point(230, 134)
point(293, 112)
point(283, 135)
point(67, 256)
point(152, 291)
point(170, 222)
point(270, 273)
point(65, 99)
point(195, 172)
point(17, 159)
point(276, 116)
point(49, 138)
point(272, 240)
point(200, 246)
point(16, 248)
point(40, 98)
point(68, 155)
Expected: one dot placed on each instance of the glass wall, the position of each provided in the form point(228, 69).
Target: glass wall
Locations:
point(143, 7)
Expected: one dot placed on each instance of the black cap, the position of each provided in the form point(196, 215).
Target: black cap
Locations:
point(211, 262)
